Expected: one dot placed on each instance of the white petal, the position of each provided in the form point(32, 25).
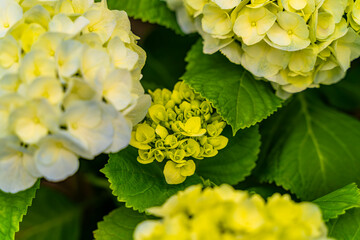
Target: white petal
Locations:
point(233, 52)
point(60, 23)
point(14, 176)
point(185, 21)
point(122, 134)
point(55, 162)
point(138, 111)
point(63, 24)
point(122, 56)
point(117, 88)
point(97, 140)
point(278, 36)
point(80, 23)
point(94, 65)
point(29, 131)
point(227, 4)
point(95, 132)
point(68, 57)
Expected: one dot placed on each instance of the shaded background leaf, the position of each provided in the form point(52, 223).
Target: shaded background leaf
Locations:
point(345, 94)
point(165, 62)
point(347, 226)
point(52, 216)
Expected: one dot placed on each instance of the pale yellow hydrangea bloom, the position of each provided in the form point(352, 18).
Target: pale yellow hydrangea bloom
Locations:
point(224, 213)
point(70, 87)
point(270, 37)
point(180, 128)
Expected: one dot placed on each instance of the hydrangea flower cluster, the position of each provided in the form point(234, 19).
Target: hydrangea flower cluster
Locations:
point(70, 87)
point(294, 44)
point(180, 126)
point(225, 213)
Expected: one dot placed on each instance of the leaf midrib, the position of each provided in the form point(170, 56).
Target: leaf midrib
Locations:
point(308, 120)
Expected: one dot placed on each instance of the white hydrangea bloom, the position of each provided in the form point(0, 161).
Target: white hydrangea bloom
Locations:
point(70, 87)
point(294, 44)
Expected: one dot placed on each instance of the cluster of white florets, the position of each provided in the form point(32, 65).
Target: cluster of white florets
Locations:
point(70, 87)
point(294, 44)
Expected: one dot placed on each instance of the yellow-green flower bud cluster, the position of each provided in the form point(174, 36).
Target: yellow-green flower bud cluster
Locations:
point(294, 44)
point(179, 128)
point(225, 213)
point(69, 87)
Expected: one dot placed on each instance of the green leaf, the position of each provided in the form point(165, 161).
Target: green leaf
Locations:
point(310, 149)
point(119, 224)
point(235, 162)
point(153, 11)
point(336, 203)
point(12, 209)
point(347, 226)
point(140, 185)
point(52, 216)
point(240, 99)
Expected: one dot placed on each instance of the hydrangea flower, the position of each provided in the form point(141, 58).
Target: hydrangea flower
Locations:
point(180, 128)
point(294, 44)
point(70, 87)
point(225, 213)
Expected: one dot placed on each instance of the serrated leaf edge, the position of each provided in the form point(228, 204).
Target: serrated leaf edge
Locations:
point(29, 204)
point(346, 209)
point(119, 198)
point(234, 129)
point(112, 187)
